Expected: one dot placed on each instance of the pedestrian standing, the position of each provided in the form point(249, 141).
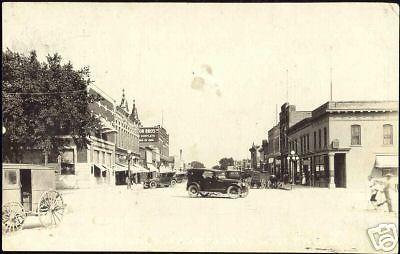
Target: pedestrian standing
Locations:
point(128, 183)
point(374, 189)
point(386, 191)
point(303, 179)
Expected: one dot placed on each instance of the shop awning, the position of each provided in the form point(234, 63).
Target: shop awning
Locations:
point(120, 168)
point(386, 161)
point(152, 168)
point(140, 169)
point(100, 167)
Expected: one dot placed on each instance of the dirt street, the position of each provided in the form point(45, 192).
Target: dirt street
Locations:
point(166, 219)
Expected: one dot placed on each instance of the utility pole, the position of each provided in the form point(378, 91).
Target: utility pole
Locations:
point(276, 114)
point(331, 83)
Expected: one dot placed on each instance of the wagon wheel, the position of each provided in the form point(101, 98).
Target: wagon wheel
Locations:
point(13, 216)
point(50, 208)
point(173, 183)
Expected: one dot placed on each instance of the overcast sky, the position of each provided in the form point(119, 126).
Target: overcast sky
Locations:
point(217, 71)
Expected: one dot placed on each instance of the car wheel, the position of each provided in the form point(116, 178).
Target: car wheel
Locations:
point(153, 184)
point(173, 183)
point(244, 192)
point(145, 186)
point(193, 191)
point(233, 191)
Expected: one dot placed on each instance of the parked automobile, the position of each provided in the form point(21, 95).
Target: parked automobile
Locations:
point(180, 176)
point(206, 182)
point(164, 179)
point(239, 175)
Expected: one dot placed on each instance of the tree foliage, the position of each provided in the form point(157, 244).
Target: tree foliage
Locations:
point(215, 167)
point(225, 162)
point(42, 101)
point(197, 164)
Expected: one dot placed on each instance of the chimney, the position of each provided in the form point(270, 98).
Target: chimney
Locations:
point(180, 154)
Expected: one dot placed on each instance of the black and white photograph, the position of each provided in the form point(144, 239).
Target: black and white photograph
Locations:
point(200, 127)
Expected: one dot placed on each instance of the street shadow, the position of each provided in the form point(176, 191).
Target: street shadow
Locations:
point(200, 197)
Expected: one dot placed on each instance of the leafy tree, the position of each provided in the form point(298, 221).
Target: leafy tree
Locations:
point(197, 164)
point(225, 162)
point(43, 101)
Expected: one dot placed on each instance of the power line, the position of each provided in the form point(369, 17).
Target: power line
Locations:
point(48, 93)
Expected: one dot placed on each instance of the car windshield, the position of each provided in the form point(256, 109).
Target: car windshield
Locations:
point(220, 175)
point(207, 174)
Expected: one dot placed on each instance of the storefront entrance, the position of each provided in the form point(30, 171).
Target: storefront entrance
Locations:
point(340, 170)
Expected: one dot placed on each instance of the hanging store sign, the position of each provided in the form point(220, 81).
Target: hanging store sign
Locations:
point(148, 135)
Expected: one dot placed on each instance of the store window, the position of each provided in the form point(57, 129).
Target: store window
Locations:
point(355, 134)
point(10, 177)
point(387, 134)
point(67, 168)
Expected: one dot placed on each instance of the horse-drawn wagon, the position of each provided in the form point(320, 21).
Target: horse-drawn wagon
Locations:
point(29, 190)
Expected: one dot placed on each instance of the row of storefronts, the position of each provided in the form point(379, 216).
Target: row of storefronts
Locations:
point(339, 144)
point(115, 147)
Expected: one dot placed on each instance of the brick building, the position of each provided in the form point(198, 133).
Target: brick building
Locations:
point(343, 142)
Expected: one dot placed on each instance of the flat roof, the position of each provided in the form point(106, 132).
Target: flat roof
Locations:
point(25, 166)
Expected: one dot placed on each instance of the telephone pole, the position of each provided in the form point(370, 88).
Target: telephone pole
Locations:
point(331, 84)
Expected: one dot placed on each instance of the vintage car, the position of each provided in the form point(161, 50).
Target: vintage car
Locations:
point(204, 182)
point(180, 176)
point(29, 190)
point(239, 175)
point(164, 179)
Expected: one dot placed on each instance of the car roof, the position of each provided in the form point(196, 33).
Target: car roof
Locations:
point(205, 169)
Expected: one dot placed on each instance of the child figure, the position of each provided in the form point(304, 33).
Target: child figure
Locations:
point(374, 187)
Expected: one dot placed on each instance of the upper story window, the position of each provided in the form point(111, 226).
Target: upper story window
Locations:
point(387, 134)
point(355, 134)
point(325, 137)
point(301, 144)
point(308, 142)
point(319, 138)
point(315, 140)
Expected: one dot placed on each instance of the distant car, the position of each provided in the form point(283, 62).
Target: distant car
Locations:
point(239, 175)
point(180, 176)
point(165, 179)
point(204, 182)
point(258, 179)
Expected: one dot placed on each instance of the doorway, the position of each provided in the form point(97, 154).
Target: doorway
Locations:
point(26, 188)
point(340, 170)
